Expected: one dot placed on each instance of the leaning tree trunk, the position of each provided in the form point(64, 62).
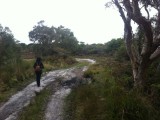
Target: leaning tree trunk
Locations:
point(150, 51)
point(140, 75)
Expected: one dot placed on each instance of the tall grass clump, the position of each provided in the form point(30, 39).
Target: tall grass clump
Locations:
point(57, 62)
point(14, 75)
point(110, 96)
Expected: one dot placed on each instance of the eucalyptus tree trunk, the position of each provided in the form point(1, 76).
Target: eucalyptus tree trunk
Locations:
point(140, 74)
point(130, 10)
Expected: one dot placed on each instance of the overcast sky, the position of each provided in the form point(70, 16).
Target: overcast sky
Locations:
point(90, 21)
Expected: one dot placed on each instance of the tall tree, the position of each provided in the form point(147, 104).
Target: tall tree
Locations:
point(141, 59)
point(48, 39)
point(66, 39)
point(112, 46)
point(8, 47)
point(43, 36)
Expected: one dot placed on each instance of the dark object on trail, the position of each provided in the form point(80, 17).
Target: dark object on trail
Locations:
point(38, 66)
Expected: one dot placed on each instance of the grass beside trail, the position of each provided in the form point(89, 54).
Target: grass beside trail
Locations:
point(24, 74)
point(35, 110)
point(110, 96)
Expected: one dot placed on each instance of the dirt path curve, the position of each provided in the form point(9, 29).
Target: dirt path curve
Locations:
point(17, 102)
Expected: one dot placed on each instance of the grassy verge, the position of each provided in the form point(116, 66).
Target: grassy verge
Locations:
point(82, 64)
point(35, 110)
point(109, 97)
point(22, 74)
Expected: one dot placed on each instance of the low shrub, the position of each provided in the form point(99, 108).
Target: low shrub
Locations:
point(109, 97)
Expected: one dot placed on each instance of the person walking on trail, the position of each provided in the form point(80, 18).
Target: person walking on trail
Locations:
point(38, 66)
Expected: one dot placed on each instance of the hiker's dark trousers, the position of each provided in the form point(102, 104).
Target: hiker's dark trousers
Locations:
point(38, 77)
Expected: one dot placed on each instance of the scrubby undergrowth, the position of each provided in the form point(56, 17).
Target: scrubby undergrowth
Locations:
point(110, 96)
point(19, 73)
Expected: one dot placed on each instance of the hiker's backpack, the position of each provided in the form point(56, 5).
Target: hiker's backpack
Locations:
point(37, 68)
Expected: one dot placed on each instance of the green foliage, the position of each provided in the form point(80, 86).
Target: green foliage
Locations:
point(8, 47)
point(112, 46)
point(153, 83)
point(57, 62)
point(48, 39)
point(153, 73)
point(15, 76)
point(61, 40)
point(109, 97)
point(93, 70)
point(35, 110)
point(66, 39)
point(155, 96)
point(90, 49)
point(11, 68)
point(19, 73)
point(116, 48)
point(121, 53)
point(113, 103)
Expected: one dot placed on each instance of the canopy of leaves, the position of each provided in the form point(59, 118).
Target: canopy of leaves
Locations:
point(8, 47)
point(48, 39)
point(112, 46)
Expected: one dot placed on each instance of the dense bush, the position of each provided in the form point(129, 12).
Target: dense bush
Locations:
point(110, 96)
point(59, 61)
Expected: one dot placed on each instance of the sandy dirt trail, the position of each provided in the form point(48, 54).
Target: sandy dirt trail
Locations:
point(10, 110)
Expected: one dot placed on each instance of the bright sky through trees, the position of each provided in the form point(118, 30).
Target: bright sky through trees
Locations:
point(90, 20)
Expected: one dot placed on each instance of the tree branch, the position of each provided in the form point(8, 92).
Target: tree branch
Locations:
point(136, 16)
point(155, 55)
point(156, 37)
point(145, 7)
point(120, 10)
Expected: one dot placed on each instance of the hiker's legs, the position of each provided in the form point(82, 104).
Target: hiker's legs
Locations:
point(38, 77)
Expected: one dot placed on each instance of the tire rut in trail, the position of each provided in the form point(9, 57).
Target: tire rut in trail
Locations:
point(29, 111)
point(55, 106)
